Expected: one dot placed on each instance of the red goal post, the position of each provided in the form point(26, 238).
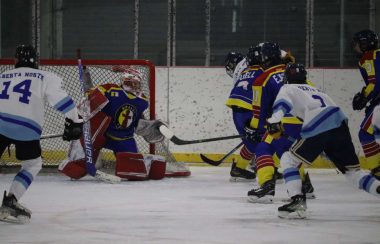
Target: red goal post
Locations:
point(54, 150)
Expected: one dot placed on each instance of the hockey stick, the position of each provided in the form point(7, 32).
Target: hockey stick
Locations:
point(218, 162)
point(88, 150)
point(170, 135)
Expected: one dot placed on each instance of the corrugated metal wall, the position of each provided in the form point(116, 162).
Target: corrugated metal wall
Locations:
point(106, 29)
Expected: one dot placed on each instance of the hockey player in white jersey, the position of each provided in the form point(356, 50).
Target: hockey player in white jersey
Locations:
point(23, 92)
point(324, 129)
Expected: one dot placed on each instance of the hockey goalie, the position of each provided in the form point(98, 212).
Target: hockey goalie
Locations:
point(116, 115)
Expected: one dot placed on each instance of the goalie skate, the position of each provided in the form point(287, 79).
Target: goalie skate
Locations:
point(13, 212)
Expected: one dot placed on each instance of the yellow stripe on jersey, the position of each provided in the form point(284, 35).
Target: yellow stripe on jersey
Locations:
point(291, 120)
point(238, 103)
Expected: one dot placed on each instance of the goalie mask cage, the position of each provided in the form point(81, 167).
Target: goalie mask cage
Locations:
point(54, 150)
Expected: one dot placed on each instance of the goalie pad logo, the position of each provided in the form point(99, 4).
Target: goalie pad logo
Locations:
point(125, 116)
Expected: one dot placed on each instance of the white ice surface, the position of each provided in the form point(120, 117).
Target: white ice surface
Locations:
point(203, 208)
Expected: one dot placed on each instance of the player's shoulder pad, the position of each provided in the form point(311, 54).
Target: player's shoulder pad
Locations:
point(264, 77)
point(368, 56)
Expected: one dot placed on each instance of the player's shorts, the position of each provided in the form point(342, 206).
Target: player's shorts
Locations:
point(336, 143)
point(25, 150)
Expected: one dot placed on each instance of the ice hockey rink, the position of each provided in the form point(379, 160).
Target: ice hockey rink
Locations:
point(202, 208)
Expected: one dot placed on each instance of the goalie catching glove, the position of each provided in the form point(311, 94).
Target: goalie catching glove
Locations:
point(72, 131)
point(149, 130)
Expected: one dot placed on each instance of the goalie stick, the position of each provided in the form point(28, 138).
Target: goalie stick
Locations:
point(218, 162)
point(88, 150)
point(173, 138)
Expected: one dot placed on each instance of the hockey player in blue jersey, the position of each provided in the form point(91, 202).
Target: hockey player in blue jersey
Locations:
point(240, 101)
point(24, 91)
point(324, 129)
point(365, 44)
point(265, 88)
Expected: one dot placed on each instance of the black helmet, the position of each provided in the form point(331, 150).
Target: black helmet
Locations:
point(26, 56)
point(295, 73)
point(232, 59)
point(367, 40)
point(270, 54)
point(253, 55)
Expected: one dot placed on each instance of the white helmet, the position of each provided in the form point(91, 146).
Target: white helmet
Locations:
point(131, 80)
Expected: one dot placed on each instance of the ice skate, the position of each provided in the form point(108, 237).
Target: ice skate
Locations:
point(12, 211)
point(296, 209)
point(263, 194)
point(238, 174)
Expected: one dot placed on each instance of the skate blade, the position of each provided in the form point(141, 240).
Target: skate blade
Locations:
point(310, 196)
point(263, 200)
point(21, 219)
point(299, 214)
point(239, 179)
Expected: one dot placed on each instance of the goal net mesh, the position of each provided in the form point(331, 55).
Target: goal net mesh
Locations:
point(54, 150)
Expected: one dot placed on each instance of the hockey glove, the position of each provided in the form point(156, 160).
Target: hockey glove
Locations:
point(73, 131)
point(359, 101)
point(275, 129)
point(252, 134)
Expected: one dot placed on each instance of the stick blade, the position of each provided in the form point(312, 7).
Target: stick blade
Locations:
point(210, 161)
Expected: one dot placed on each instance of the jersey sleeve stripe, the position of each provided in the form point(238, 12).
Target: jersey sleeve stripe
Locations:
point(284, 105)
point(64, 105)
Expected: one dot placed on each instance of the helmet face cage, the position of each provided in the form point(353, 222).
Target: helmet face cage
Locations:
point(253, 55)
point(131, 80)
point(26, 56)
point(270, 54)
point(295, 73)
point(233, 58)
point(366, 39)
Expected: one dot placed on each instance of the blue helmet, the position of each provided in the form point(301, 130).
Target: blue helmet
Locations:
point(367, 40)
point(295, 73)
point(232, 59)
point(270, 54)
point(26, 56)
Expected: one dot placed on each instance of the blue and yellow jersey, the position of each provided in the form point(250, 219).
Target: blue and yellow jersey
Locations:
point(241, 93)
point(265, 89)
point(369, 66)
point(124, 108)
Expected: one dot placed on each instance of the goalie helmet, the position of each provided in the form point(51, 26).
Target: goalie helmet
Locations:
point(253, 55)
point(26, 56)
point(232, 59)
point(295, 73)
point(366, 39)
point(131, 80)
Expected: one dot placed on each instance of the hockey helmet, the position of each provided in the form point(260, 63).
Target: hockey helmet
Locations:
point(232, 59)
point(295, 73)
point(253, 55)
point(270, 54)
point(131, 80)
point(366, 39)
point(26, 56)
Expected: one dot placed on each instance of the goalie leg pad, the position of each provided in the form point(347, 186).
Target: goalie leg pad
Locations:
point(74, 169)
point(157, 168)
point(131, 166)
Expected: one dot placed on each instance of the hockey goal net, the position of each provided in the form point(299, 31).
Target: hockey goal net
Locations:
point(54, 150)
